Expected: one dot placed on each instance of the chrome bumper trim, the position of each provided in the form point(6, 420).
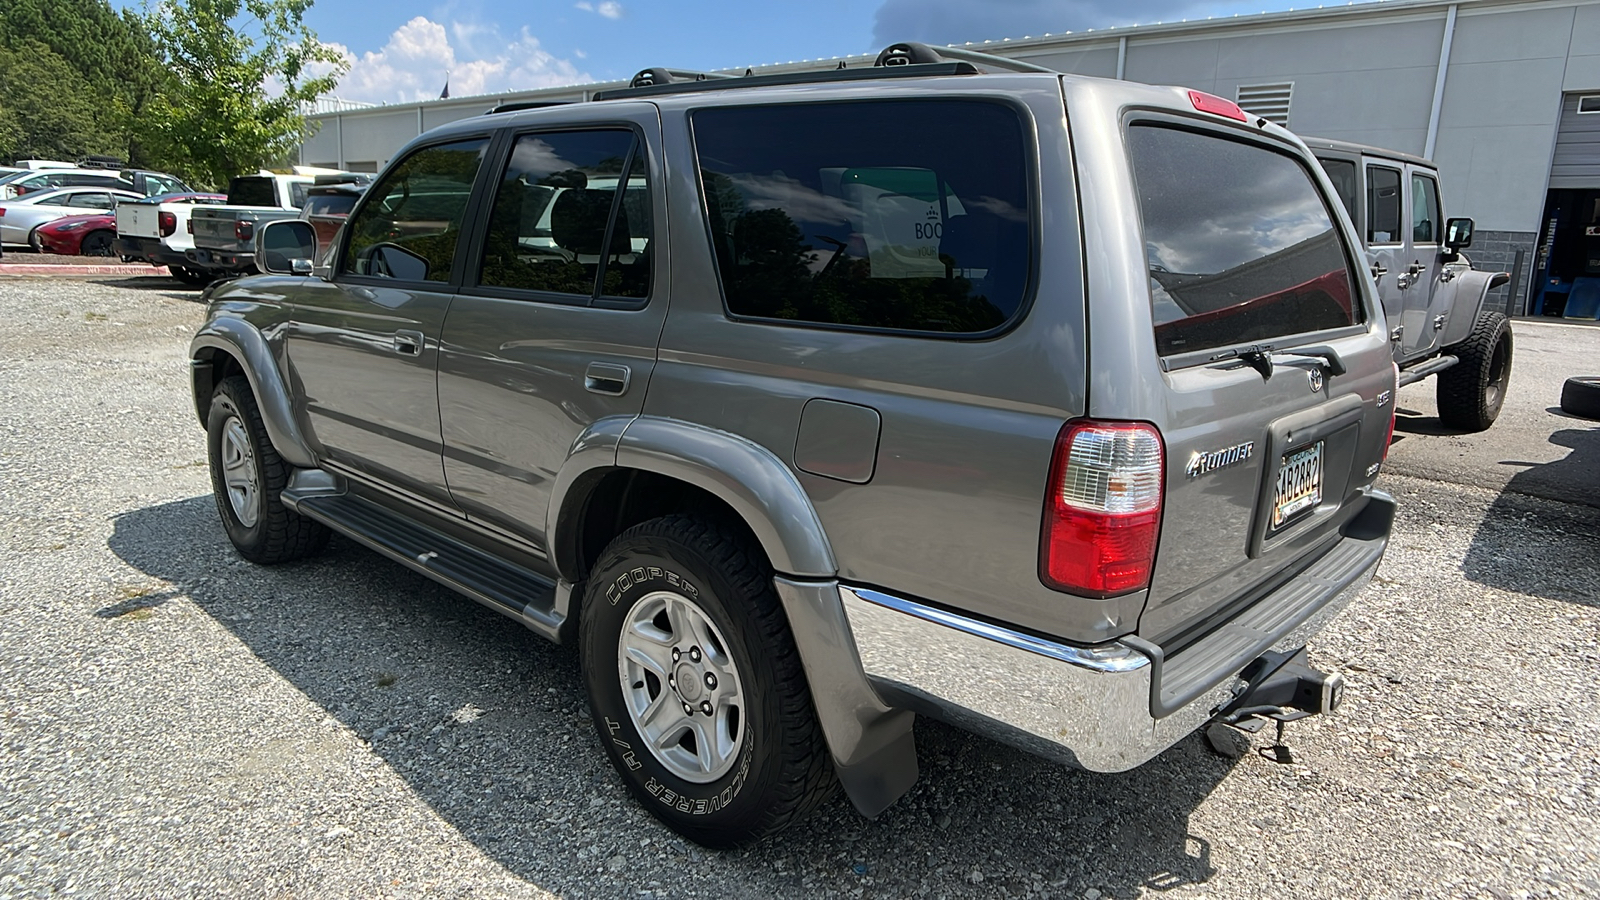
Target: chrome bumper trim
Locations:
point(1049, 699)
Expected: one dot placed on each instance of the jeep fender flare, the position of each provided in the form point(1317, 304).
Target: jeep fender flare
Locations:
point(871, 743)
point(1470, 290)
point(249, 347)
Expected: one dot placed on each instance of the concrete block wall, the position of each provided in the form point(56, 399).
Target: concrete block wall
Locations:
point(1496, 251)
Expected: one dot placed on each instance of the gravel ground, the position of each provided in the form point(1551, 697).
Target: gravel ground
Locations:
point(178, 723)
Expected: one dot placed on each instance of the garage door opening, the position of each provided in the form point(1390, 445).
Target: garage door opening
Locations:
point(1567, 263)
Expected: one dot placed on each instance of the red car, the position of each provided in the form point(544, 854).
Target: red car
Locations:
point(91, 235)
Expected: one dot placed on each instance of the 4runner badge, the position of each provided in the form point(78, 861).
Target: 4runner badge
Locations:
point(1201, 463)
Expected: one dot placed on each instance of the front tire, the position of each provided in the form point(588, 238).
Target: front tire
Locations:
point(248, 477)
point(696, 687)
point(1471, 392)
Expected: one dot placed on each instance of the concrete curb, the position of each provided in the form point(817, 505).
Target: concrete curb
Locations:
point(38, 269)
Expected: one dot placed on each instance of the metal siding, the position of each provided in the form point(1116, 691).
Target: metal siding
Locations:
point(1576, 163)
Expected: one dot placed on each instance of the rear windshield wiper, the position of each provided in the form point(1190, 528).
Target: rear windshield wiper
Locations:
point(1264, 357)
point(1257, 356)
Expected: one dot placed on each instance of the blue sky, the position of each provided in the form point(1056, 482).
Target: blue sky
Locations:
point(402, 50)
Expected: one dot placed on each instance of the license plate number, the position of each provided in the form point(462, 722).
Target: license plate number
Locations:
point(1299, 484)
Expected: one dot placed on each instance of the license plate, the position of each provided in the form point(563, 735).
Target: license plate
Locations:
point(1299, 484)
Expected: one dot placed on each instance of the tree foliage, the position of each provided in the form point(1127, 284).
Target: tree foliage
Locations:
point(240, 70)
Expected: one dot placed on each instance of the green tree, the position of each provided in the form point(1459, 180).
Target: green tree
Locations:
point(45, 109)
point(240, 71)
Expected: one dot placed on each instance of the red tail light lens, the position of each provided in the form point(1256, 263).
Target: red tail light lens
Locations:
point(1103, 512)
point(244, 231)
point(1217, 106)
point(169, 223)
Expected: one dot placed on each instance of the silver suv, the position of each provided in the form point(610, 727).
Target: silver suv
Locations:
point(807, 404)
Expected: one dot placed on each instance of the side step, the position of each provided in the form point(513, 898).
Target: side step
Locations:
point(504, 587)
point(1431, 367)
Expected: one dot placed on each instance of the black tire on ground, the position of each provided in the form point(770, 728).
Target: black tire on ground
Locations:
point(1471, 392)
point(1580, 396)
point(34, 243)
point(97, 243)
point(274, 533)
point(196, 277)
point(781, 771)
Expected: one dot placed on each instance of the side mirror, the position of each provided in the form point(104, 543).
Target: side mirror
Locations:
point(286, 247)
point(1458, 233)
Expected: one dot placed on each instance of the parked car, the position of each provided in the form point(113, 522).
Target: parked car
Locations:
point(156, 230)
point(1433, 299)
point(224, 236)
point(827, 430)
point(19, 217)
point(94, 234)
point(140, 182)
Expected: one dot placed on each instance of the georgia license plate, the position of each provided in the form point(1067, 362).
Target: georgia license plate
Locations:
point(1299, 484)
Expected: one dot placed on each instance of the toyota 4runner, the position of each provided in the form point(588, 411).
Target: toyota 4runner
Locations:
point(806, 404)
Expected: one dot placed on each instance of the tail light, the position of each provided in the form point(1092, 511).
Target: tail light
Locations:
point(244, 231)
point(169, 223)
point(2, 212)
point(1103, 513)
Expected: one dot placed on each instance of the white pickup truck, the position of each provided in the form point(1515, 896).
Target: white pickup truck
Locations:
point(156, 231)
point(224, 236)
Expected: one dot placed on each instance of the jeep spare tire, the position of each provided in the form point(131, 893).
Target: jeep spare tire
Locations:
point(1471, 392)
point(695, 684)
point(1580, 396)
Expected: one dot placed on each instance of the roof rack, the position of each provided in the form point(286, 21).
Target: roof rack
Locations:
point(904, 60)
point(101, 162)
point(519, 105)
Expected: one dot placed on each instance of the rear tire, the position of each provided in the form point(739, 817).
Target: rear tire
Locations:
point(1580, 396)
point(684, 640)
point(1472, 392)
point(248, 477)
point(195, 277)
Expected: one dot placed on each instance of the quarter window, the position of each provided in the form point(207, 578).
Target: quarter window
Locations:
point(905, 215)
point(1424, 210)
point(558, 223)
point(1342, 173)
point(1383, 205)
point(409, 226)
point(1240, 243)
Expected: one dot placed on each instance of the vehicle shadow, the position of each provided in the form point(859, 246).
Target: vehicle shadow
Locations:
point(1410, 421)
point(488, 724)
point(172, 287)
point(1526, 544)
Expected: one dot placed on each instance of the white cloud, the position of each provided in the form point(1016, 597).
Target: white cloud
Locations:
point(608, 8)
point(419, 56)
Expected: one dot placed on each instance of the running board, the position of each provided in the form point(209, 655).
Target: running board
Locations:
point(504, 587)
point(1431, 367)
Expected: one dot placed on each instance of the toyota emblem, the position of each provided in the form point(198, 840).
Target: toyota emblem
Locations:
point(1315, 377)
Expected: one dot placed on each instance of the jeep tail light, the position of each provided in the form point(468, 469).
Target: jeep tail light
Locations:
point(169, 223)
point(244, 231)
point(1217, 106)
point(1103, 513)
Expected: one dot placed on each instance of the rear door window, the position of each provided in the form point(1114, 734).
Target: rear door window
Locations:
point(1383, 205)
point(1240, 244)
point(910, 215)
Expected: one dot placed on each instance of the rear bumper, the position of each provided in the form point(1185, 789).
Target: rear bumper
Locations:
point(220, 260)
point(1109, 707)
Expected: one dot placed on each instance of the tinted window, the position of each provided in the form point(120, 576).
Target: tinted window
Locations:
point(90, 201)
point(251, 190)
point(297, 193)
point(1424, 210)
point(1240, 244)
point(555, 206)
point(909, 215)
point(408, 227)
point(1342, 172)
point(330, 204)
point(1383, 205)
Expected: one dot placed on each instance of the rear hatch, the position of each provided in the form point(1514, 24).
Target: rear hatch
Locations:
point(1277, 386)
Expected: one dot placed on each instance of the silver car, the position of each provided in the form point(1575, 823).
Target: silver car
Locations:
point(20, 217)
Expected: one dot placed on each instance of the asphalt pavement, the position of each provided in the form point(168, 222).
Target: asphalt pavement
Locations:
point(175, 722)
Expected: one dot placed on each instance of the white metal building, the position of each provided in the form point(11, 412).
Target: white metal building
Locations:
point(1503, 94)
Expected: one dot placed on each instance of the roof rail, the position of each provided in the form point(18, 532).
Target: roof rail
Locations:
point(518, 105)
point(911, 53)
point(648, 77)
point(865, 73)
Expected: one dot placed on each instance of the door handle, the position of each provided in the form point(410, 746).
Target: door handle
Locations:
point(1416, 268)
point(606, 378)
point(409, 343)
point(1379, 270)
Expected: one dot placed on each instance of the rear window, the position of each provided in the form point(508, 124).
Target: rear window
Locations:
point(1241, 246)
point(330, 204)
point(903, 215)
point(251, 190)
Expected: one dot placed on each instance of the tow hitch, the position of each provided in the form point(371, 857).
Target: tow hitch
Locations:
point(1281, 687)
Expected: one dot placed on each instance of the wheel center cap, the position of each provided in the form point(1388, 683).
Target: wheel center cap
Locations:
point(688, 682)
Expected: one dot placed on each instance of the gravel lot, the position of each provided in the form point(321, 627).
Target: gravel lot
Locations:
point(178, 723)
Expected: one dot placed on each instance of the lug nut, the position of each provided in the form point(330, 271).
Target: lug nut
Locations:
point(694, 654)
point(711, 681)
point(675, 654)
point(672, 682)
point(688, 710)
point(705, 707)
